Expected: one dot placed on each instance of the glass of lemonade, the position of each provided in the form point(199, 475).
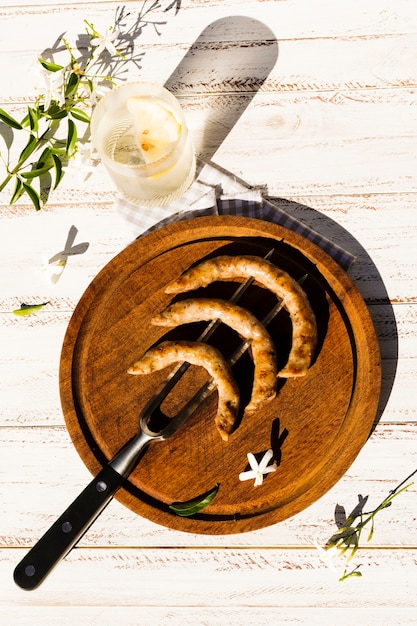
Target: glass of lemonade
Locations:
point(140, 133)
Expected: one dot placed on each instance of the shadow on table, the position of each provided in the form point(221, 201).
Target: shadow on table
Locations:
point(235, 68)
point(369, 283)
point(232, 57)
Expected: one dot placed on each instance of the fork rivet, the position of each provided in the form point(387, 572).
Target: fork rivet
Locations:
point(66, 527)
point(30, 570)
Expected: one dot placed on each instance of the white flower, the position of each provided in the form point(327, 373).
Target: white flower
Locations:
point(327, 555)
point(51, 272)
point(105, 42)
point(99, 88)
point(330, 554)
point(84, 161)
point(52, 87)
point(258, 470)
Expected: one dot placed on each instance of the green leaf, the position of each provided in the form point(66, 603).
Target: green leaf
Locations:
point(58, 170)
point(28, 309)
point(25, 121)
point(44, 157)
point(18, 190)
point(190, 507)
point(36, 172)
point(51, 67)
point(71, 138)
point(80, 115)
point(72, 84)
point(33, 119)
point(9, 120)
point(57, 113)
point(59, 151)
point(371, 532)
point(33, 195)
point(28, 149)
point(353, 574)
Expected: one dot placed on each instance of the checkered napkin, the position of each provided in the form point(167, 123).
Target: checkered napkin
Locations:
point(217, 192)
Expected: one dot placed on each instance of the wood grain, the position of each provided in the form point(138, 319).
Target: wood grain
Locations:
point(238, 579)
point(388, 457)
point(327, 414)
point(330, 132)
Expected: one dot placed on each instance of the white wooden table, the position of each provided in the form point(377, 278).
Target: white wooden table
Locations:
point(332, 129)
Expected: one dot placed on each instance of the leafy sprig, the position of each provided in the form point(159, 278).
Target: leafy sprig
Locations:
point(55, 128)
point(65, 101)
point(350, 528)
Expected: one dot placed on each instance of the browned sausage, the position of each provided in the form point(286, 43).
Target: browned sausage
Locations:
point(244, 323)
point(204, 355)
point(304, 333)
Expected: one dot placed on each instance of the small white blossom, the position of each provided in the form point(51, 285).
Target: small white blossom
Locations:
point(258, 470)
point(51, 272)
point(99, 88)
point(83, 162)
point(327, 555)
point(105, 42)
point(51, 87)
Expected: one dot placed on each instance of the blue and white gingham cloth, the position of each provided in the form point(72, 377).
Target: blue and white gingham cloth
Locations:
point(217, 192)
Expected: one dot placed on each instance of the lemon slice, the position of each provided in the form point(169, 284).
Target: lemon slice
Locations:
point(156, 126)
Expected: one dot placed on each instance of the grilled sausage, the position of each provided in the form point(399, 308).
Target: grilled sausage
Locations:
point(295, 301)
point(244, 323)
point(204, 355)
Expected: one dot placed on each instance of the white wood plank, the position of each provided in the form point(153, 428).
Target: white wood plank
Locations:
point(374, 228)
point(41, 465)
point(295, 18)
point(215, 579)
point(30, 239)
point(306, 51)
point(378, 229)
point(332, 132)
point(314, 153)
point(317, 147)
point(31, 347)
point(184, 616)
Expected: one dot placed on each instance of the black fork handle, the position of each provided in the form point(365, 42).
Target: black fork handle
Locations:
point(67, 530)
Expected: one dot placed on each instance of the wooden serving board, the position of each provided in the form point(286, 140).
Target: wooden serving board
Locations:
point(316, 426)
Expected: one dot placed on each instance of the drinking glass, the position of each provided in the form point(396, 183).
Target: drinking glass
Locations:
point(114, 134)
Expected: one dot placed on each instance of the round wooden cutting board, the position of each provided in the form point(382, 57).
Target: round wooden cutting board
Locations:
point(316, 425)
